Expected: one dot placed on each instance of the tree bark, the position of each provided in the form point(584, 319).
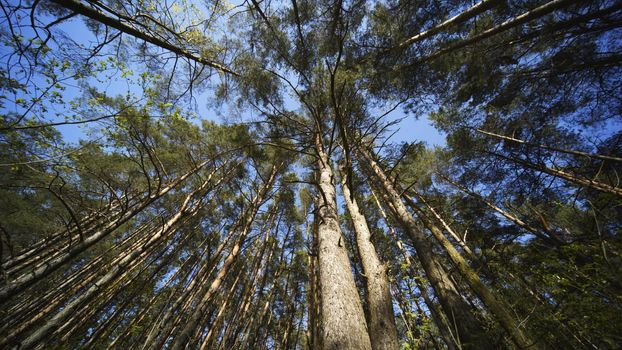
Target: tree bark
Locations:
point(471, 332)
point(382, 330)
point(342, 318)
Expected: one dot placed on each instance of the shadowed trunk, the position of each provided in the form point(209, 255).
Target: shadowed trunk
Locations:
point(471, 332)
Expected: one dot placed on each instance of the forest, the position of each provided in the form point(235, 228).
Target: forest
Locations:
point(310, 174)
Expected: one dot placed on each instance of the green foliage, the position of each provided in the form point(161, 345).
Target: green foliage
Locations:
point(142, 103)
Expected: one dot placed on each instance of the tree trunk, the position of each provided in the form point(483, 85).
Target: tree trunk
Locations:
point(548, 236)
point(45, 268)
point(556, 149)
point(342, 318)
point(492, 300)
point(382, 330)
point(459, 18)
point(471, 332)
point(118, 268)
point(437, 316)
point(593, 184)
point(509, 24)
point(184, 336)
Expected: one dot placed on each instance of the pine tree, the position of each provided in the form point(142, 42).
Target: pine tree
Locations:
point(131, 218)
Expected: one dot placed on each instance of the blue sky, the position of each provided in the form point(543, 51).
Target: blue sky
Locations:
point(409, 129)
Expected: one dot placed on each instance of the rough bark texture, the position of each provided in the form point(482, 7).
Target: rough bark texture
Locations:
point(382, 330)
point(471, 333)
point(343, 321)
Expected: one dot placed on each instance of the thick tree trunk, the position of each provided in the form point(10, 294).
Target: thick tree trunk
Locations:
point(382, 330)
point(342, 319)
point(471, 332)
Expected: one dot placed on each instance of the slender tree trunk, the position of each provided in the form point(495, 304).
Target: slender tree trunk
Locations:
point(342, 316)
point(184, 271)
point(252, 329)
point(549, 236)
point(25, 315)
point(184, 336)
point(118, 268)
point(95, 14)
point(561, 150)
point(509, 24)
point(110, 323)
point(215, 326)
point(584, 182)
point(382, 330)
point(437, 315)
point(459, 18)
point(256, 276)
point(471, 332)
point(491, 299)
point(163, 327)
point(45, 268)
point(311, 288)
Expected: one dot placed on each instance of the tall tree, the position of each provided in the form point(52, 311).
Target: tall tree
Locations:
point(131, 218)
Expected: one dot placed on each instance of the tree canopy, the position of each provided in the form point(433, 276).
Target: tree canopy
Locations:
point(212, 175)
